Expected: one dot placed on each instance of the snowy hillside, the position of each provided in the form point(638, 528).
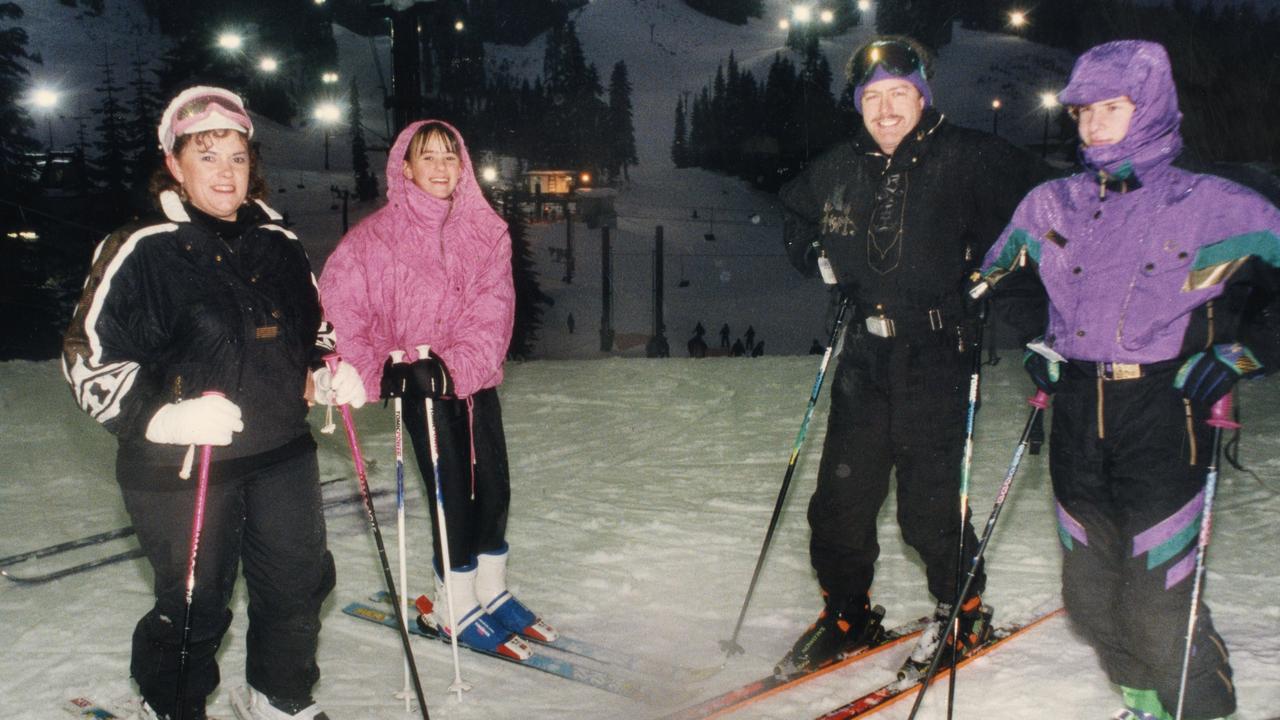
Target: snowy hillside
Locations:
point(641, 492)
point(641, 488)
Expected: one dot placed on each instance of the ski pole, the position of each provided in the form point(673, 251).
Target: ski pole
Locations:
point(362, 479)
point(1219, 418)
point(197, 526)
point(459, 685)
point(397, 357)
point(966, 467)
point(1038, 403)
point(731, 646)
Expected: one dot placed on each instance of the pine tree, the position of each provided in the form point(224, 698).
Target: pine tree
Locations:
point(529, 295)
point(16, 125)
point(140, 132)
point(366, 182)
point(680, 143)
point(622, 133)
point(701, 132)
point(109, 164)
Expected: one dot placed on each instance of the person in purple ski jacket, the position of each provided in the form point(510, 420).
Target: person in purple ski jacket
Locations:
point(1161, 289)
point(429, 274)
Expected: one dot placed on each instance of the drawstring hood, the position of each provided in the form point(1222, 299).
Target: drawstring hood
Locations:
point(1140, 71)
point(467, 206)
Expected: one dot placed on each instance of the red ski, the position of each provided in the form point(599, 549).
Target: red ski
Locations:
point(886, 695)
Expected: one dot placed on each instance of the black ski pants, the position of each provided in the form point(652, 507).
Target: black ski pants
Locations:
point(270, 519)
point(476, 495)
point(896, 404)
point(1128, 464)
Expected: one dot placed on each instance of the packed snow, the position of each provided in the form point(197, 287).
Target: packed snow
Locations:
point(641, 488)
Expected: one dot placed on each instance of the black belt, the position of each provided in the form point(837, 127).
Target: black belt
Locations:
point(1121, 371)
point(908, 321)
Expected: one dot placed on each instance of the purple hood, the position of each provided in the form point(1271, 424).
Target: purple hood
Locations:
point(1140, 71)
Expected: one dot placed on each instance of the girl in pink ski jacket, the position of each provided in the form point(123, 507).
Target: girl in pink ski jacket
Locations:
point(429, 275)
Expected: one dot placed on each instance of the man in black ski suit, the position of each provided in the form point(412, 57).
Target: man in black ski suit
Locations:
point(898, 217)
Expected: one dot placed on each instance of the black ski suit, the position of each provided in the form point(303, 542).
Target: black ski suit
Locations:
point(901, 233)
point(172, 308)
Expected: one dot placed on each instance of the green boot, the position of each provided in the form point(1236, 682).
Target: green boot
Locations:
point(1144, 704)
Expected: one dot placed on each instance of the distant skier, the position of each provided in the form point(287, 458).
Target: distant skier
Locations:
point(569, 322)
point(1162, 288)
point(433, 268)
point(758, 350)
point(816, 348)
point(738, 350)
point(749, 337)
point(898, 218)
point(697, 347)
point(724, 335)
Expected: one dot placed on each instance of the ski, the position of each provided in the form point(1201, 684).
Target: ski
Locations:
point(62, 547)
point(610, 656)
point(772, 684)
point(74, 569)
point(576, 671)
point(87, 707)
point(84, 707)
point(896, 690)
point(327, 504)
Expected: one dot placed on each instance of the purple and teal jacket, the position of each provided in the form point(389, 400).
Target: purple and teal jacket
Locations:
point(1143, 261)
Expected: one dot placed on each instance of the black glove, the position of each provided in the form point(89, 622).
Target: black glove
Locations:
point(429, 378)
point(801, 242)
point(1207, 376)
point(395, 380)
point(1043, 371)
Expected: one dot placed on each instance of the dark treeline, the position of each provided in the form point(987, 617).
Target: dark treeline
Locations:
point(1224, 62)
point(561, 119)
point(734, 11)
point(762, 130)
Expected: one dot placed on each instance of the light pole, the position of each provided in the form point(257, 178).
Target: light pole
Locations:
point(327, 113)
point(995, 116)
point(46, 100)
point(1049, 101)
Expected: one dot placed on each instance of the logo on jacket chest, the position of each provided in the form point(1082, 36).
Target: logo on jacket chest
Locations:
point(836, 219)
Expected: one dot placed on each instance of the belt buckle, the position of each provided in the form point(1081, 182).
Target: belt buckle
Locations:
point(935, 319)
point(880, 326)
point(1120, 371)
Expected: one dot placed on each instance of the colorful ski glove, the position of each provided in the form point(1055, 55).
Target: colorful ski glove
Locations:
point(1044, 372)
point(1208, 375)
point(343, 387)
point(207, 420)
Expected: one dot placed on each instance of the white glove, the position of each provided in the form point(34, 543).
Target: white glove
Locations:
point(343, 387)
point(207, 420)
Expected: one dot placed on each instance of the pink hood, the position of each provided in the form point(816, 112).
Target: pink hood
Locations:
point(424, 271)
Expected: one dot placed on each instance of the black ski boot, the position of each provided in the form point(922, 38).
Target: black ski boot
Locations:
point(974, 619)
point(838, 629)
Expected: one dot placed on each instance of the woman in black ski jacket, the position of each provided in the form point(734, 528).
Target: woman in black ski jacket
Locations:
point(201, 327)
